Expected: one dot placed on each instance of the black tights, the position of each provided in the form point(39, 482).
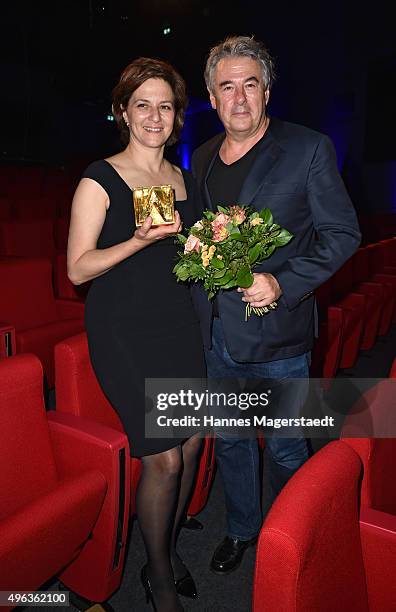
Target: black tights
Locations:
point(163, 491)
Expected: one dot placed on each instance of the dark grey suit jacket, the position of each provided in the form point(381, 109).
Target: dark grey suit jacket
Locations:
point(296, 176)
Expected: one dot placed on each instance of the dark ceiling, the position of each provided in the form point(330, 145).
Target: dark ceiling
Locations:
point(84, 44)
point(60, 60)
point(87, 43)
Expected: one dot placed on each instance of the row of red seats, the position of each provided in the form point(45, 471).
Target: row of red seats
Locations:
point(36, 179)
point(43, 238)
point(34, 237)
point(28, 304)
point(36, 207)
point(356, 306)
point(32, 179)
point(35, 192)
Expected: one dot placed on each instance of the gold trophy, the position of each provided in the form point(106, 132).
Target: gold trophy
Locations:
point(156, 202)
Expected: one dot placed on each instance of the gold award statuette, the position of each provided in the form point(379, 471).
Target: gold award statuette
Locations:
point(156, 202)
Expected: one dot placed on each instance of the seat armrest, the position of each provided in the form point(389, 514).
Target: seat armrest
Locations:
point(70, 309)
point(377, 522)
point(78, 444)
point(378, 537)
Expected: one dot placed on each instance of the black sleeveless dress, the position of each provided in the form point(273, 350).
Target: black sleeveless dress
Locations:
point(140, 322)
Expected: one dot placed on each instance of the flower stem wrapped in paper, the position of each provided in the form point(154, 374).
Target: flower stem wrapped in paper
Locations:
point(222, 249)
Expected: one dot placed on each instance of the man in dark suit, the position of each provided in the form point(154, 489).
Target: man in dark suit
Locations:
point(264, 162)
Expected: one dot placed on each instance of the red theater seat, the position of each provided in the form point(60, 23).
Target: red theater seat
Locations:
point(361, 272)
point(62, 232)
point(382, 264)
point(62, 488)
point(327, 349)
point(78, 392)
point(342, 284)
point(382, 254)
point(33, 238)
point(352, 308)
point(373, 419)
point(34, 207)
point(36, 238)
point(314, 554)
point(28, 303)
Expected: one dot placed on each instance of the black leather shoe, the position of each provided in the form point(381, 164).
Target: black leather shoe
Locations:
point(185, 586)
point(229, 554)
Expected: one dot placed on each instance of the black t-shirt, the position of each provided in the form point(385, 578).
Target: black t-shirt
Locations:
point(225, 181)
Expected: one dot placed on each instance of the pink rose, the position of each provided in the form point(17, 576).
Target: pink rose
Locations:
point(220, 234)
point(238, 214)
point(219, 224)
point(193, 244)
point(220, 220)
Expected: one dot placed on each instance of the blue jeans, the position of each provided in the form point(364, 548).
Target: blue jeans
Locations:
point(238, 458)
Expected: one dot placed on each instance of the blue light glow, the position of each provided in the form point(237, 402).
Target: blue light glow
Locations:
point(185, 151)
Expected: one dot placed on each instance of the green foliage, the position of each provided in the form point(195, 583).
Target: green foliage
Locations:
point(231, 262)
point(182, 239)
point(266, 216)
point(254, 253)
point(217, 263)
point(244, 277)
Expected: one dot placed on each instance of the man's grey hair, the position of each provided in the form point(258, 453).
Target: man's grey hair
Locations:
point(245, 46)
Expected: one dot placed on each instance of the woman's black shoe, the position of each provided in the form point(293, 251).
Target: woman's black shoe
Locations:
point(147, 587)
point(185, 586)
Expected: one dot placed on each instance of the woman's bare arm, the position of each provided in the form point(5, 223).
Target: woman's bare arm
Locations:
point(84, 260)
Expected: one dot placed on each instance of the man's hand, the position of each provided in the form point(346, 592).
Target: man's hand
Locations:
point(147, 234)
point(263, 292)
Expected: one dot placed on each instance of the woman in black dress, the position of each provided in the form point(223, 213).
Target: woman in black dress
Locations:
point(140, 322)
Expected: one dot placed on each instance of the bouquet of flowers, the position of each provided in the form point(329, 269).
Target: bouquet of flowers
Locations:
point(222, 249)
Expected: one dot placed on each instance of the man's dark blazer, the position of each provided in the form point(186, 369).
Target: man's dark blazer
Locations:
point(294, 174)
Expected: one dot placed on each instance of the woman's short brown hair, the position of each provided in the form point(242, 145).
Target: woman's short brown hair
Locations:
point(134, 75)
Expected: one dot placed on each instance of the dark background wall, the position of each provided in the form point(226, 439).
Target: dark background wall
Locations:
point(335, 63)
